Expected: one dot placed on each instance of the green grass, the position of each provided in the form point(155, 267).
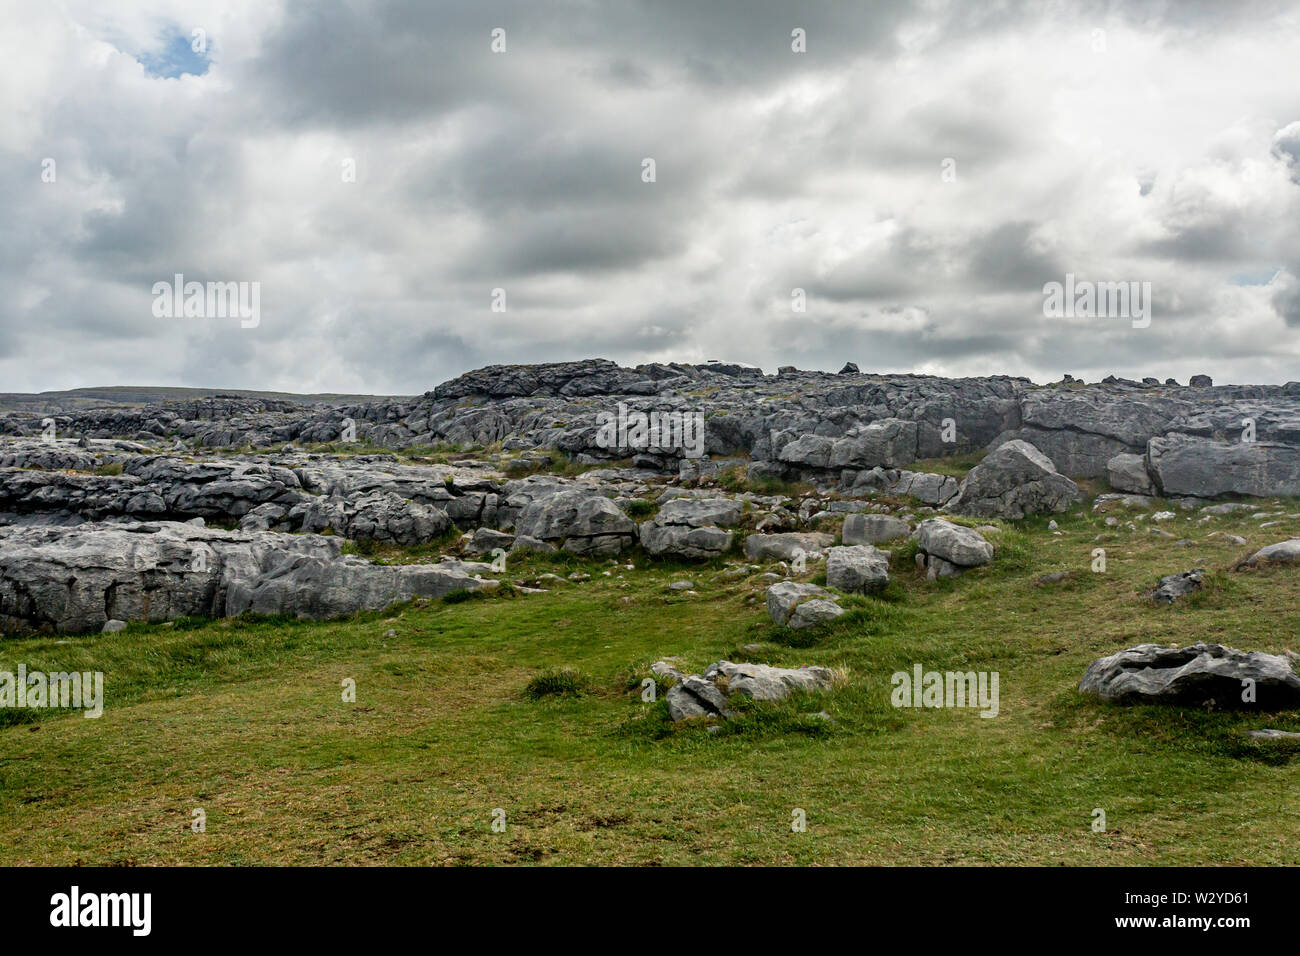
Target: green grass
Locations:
point(533, 704)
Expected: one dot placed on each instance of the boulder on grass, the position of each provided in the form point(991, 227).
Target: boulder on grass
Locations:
point(858, 569)
point(873, 529)
point(1174, 586)
point(1014, 481)
point(798, 605)
point(1194, 676)
point(958, 545)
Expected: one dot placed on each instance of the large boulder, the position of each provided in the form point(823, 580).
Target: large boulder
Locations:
point(889, 443)
point(701, 512)
point(689, 528)
point(926, 487)
point(1013, 481)
point(786, 546)
point(873, 529)
point(798, 605)
point(684, 541)
point(485, 540)
point(1193, 676)
point(586, 522)
point(958, 545)
point(859, 569)
point(1206, 468)
point(811, 451)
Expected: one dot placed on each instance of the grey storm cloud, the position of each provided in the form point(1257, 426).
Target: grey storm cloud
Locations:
point(822, 170)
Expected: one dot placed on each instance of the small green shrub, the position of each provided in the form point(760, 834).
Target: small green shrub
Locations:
point(557, 683)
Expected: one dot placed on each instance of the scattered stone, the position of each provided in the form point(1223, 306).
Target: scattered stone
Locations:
point(706, 695)
point(693, 696)
point(1284, 552)
point(1270, 734)
point(1175, 586)
point(762, 682)
point(1055, 577)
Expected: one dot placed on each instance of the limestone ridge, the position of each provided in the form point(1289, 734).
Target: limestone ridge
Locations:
point(1180, 440)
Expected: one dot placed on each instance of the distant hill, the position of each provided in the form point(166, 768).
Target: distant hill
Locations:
point(74, 398)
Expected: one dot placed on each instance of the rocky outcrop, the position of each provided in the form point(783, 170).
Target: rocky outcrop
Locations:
point(691, 528)
point(74, 580)
point(795, 425)
point(1013, 481)
point(1205, 468)
point(377, 517)
point(583, 521)
point(1198, 675)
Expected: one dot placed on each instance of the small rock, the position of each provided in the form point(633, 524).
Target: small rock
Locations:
point(1175, 586)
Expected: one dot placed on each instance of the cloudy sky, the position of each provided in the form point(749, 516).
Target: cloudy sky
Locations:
point(921, 171)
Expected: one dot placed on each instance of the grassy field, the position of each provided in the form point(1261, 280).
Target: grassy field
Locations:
point(245, 719)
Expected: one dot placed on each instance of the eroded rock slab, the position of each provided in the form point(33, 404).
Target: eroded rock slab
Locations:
point(1193, 676)
point(74, 580)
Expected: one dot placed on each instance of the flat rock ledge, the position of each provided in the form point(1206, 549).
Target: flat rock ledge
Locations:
point(1195, 676)
point(76, 580)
